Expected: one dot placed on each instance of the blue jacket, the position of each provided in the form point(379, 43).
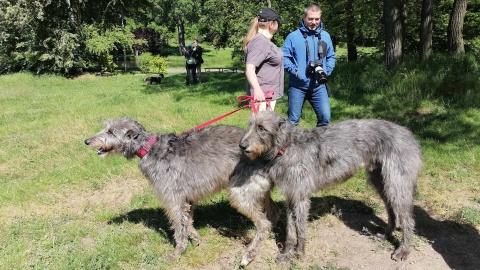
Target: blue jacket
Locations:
point(295, 56)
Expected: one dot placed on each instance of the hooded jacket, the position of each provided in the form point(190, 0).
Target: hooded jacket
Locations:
point(295, 56)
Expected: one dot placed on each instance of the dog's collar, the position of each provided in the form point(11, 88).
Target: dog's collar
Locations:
point(144, 150)
point(282, 150)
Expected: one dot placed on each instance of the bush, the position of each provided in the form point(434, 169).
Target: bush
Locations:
point(153, 64)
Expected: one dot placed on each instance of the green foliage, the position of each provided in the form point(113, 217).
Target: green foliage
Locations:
point(105, 62)
point(61, 56)
point(153, 64)
point(104, 44)
point(98, 43)
point(145, 59)
point(31, 41)
point(69, 36)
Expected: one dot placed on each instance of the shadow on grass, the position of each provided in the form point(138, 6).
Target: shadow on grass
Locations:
point(220, 216)
point(456, 243)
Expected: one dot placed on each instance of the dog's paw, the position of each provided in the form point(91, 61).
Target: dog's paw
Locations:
point(172, 257)
point(284, 258)
point(380, 236)
point(400, 254)
point(195, 241)
point(384, 237)
point(247, 258)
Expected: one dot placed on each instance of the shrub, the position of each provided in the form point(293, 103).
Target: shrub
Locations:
point(153, 64)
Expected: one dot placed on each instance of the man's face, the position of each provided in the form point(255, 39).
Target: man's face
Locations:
point(312, 20)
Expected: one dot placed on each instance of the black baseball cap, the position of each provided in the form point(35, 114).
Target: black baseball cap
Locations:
point(268, 15)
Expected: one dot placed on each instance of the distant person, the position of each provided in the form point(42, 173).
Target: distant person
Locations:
point(198, 51)
point(309, 59)
point(190, 64)
point(263, 59)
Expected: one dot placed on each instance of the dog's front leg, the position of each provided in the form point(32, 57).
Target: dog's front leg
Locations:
point(192, 233)
point(249, 193)
point(291, 241)
point(179, 219)
point(301, 214)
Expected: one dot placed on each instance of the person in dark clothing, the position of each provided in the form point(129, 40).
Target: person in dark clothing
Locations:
point(198, 51)
point(190, 64)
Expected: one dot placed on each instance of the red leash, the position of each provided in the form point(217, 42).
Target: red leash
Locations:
point(255, 109)
point(152, 140)
point(214, 120)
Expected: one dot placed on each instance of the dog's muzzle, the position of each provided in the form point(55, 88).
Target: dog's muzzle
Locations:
point(101, 151)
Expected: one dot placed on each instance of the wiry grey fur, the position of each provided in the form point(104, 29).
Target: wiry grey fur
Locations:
point(182, 169)
point(313, 159)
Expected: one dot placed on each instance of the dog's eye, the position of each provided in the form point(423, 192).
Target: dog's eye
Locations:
point(110, 132)
point(261, 128)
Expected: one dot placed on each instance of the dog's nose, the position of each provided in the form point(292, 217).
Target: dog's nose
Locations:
point(87, 142)
point(242, 146)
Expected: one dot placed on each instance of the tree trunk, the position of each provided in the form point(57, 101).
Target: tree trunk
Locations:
point(426, 28)
point(393, 13)
point(455, 27)
point(351, 45)
point(70, 11)
point(181, 34)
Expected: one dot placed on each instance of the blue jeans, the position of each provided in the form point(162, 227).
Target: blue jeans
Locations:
point(318, 98)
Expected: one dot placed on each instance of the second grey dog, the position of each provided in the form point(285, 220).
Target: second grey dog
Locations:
point(301, 162)
point(184, 169)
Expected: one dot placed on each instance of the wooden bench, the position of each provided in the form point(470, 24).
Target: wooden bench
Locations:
point(234, 70)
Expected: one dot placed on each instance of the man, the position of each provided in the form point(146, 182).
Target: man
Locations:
point(309, 58)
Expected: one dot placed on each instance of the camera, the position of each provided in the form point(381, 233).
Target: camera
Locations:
point(315, 69)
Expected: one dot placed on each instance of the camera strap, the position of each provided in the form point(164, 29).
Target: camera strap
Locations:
point(321, 45)
point(306, 46)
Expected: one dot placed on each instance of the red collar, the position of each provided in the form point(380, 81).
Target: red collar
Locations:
point(282, 150)
point(144, 150)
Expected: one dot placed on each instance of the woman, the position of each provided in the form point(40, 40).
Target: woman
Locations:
point(263, 59)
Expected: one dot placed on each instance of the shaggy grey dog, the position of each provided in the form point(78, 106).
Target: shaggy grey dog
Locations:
point(300, 162)
point(183, 169)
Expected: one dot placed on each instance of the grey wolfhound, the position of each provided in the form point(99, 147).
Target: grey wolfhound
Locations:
point(300, 162)
point(185, 169)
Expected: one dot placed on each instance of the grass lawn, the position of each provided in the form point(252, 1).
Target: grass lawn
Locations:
point(62, 207)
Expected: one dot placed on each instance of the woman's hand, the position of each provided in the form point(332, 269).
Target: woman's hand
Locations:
point(258, 95)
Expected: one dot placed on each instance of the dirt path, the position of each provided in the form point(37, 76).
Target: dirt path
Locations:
point(346, 241)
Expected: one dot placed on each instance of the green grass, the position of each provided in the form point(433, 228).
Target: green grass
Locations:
point(62, 207)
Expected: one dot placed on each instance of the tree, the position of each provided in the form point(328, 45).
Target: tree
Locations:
point(426, 29)
point(455, 27)
point(393, 12)
point(351, 32)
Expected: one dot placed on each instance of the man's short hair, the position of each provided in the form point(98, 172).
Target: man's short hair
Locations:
point(313, 8)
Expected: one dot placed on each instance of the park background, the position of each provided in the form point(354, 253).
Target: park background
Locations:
point(62, 207)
